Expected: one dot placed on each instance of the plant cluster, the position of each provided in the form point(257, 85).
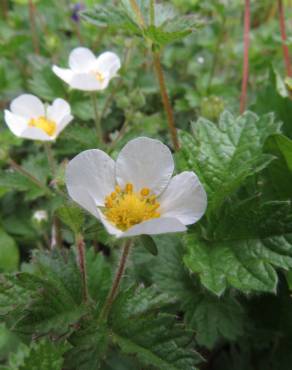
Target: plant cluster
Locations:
point(146, 216)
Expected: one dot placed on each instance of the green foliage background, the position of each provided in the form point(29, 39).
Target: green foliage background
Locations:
point(215, 298)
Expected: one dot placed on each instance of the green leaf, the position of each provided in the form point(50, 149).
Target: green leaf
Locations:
point(269, 100)
point(72, 216)
point(210, 317)
point(247, 264)
point(45, 84)
point(9, 254)
point(284, 144)
point(166, 28)
point(224, 155)
point(138, 329)
point(149, 244)
point(42, 355)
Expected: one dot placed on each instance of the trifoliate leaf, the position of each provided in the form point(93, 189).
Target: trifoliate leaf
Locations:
point(224, 155)
point(163, 26)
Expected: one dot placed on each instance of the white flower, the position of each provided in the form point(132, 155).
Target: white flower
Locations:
point(88, 72)
point(136, 194)
point(40, 215)
point(29, 118)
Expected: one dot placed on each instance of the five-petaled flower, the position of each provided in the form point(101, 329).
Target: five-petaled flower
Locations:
point(29, 118)
point(88, 72)
point(136, 194)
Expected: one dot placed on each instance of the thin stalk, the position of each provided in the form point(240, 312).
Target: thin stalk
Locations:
point(82, 265)
point(245, 71)
point(120, 134)
point(28, 175)
point(138, 13)
point(32, 18)
point(117, 280)
point(284, 38)
point(51, 159)
point(165, 99)
point(4, 6)
point(152, 12)
point(98, 127)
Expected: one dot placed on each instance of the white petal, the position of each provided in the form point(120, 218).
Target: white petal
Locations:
point(90, 173)
point(81, 60)
point(35, 133)
point(28, 106)
point(15, 123)
point(58, 110)
point(156, 226)
point(85, 82)
point(184, 198)
point(65, 121)
point(108, 63)
point(63, 73)
point(145, 162)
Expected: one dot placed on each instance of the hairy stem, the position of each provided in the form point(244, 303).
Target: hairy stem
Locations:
point(138, 13)
point(117, 280)
point(98, 127)
point(28, 175)
point(245, 56)
point(82, 264)
point(165, 100)
point(32, 17)
point(51, 160)
point(284, 38)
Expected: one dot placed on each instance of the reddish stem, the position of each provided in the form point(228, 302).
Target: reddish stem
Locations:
point(284, 38)
point(245, 56)
point(33, 30)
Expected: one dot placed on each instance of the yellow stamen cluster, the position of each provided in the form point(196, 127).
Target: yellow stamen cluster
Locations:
point(125, 208)
point(99, 76)
point(44, 124)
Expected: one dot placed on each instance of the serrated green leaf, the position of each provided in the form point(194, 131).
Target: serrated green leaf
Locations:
point(137, 329)
point(72, 216)
point(42, 355)
point(224, 155)
point(247, 264)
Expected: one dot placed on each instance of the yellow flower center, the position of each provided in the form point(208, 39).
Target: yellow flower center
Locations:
point(44, 124)
point(99, 76)
point(125, 208)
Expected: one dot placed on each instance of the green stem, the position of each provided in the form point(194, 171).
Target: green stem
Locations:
point(51, 160)
point(117, 280)
point(82, 264)
point(138, 13)
point(28, 175)
point(98, 127)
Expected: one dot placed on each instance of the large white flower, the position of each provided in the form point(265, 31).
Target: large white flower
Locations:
point(136, 194)
point(29, 118)
point(88, 72)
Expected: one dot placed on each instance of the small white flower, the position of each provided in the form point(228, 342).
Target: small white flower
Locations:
point(88, 72)
point(40, 215)
point(136, 194)
point(29, 118)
